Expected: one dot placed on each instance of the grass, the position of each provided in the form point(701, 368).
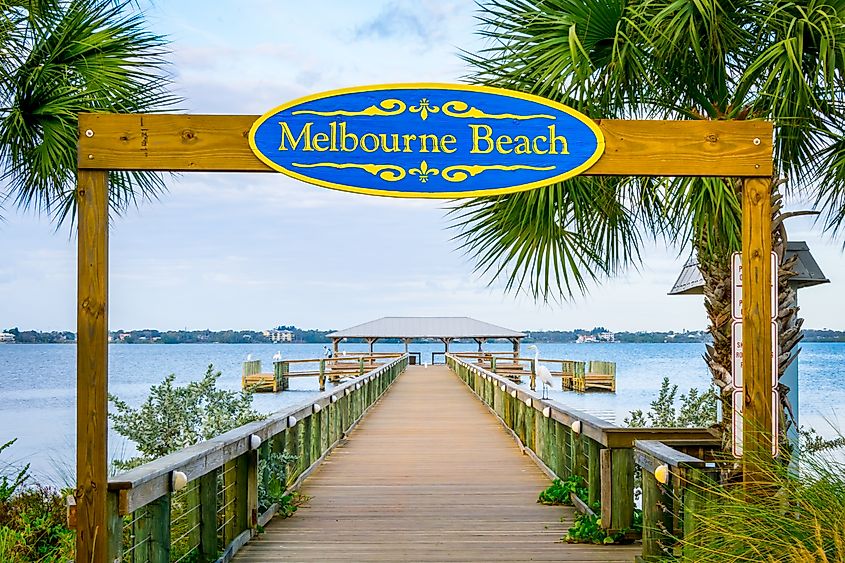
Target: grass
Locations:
point(785, 518)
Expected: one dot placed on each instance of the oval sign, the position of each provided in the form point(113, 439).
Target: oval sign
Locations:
point(427, 140)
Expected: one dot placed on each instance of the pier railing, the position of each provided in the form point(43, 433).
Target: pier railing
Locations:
point(332, 369)
point(677, 480)
point(566, 442)
point(575, 375)
point(201, 503)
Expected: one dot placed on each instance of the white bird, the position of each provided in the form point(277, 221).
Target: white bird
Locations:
point(542, 372)
point(249, 357)
point(277, 356)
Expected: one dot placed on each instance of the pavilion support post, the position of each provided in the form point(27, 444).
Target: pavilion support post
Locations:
point(92, 366)
point(371, 342)
point(335, 345)
point(515, 342)
point(480, 342)
point(756, 327)
point(446, 342)
point(407, 342)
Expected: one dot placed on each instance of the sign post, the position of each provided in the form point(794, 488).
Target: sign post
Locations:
point(737, 347)
point(758, 416)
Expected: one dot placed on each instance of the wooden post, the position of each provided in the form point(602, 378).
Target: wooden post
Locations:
point(158, 512)
point(115, 528)
point(92, 366)
point(322, 378)
point(515, 342)
point(208, 517)
point(335, 345)
point(756, 326)
point(593, 471)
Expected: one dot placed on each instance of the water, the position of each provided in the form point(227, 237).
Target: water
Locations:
point(38, 388)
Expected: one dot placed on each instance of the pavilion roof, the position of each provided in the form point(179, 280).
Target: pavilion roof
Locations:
point(426, 327)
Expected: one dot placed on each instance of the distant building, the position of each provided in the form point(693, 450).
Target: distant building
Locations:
point(276, 335)
point(594, 338)
point(6, 338)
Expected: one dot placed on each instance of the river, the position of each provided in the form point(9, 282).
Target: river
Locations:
point(37, 385)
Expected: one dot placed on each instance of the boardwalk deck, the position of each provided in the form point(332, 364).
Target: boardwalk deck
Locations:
point(428, 475)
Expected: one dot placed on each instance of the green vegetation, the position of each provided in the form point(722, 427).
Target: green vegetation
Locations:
point(32, 518)
point(792, 518)
point(622, 59)
point(174, 417)
point(587, 527)
point(559, 491)
point(697, 409)
point(61, 58)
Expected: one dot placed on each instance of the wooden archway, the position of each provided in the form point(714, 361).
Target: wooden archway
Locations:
point(218, 143)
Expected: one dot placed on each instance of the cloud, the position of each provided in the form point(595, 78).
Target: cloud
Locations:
point(400, 21)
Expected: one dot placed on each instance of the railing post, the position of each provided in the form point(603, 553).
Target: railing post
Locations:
point(593, 471)
point(322, 377)
point(208, 517)
point(657, 517)
point(158, 511)
point(114, 521)
point(617, 488)
point(493, 364)
point(281, 370)
point(230, 498)
point(533, 375)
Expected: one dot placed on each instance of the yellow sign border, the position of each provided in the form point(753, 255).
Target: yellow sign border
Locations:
point(600, 142)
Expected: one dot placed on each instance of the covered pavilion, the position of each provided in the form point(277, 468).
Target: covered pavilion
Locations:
point(445, 329)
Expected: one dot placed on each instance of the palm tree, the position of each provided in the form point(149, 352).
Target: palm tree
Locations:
point(57, 59)
point(664, 59)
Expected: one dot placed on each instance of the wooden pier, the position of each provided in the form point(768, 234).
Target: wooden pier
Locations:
point(428, 475)
point(414, 464)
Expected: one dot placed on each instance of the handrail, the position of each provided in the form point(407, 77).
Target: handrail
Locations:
point(675, 488)
point(232, 460)
point(566, 441)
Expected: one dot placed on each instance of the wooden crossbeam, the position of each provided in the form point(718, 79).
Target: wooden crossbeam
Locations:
point(219, 143)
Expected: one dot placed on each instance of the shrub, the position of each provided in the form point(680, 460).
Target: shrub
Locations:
point(174, 417)
point(559, 491)
point(32, 519)
point(697, 409)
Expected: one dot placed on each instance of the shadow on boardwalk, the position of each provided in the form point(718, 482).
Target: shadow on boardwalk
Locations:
point(428, 475)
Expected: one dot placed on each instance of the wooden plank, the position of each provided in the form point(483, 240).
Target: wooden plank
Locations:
point(655, 521)
point(158, 512)
point(667, 454)
point(115, 526)
point(92, 366)
point(409, 486)
point(622, 485)
point(208, 518)
point(219, 143)
point(756, 327)
point(593, 451)
point(605, 467)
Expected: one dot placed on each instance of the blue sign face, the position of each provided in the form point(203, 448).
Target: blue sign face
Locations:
point(427, 140)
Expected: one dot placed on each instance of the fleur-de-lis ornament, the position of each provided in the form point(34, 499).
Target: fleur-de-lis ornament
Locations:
point(424, 172)
point(424, 109)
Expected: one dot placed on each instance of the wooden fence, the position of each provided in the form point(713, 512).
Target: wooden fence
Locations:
point(201, 504)
point(565, 442)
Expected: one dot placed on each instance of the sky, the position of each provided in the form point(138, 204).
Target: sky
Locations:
point(255, 251)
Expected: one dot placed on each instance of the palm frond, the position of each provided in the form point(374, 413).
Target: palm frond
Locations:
point(67, 58)
point(551, 242)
